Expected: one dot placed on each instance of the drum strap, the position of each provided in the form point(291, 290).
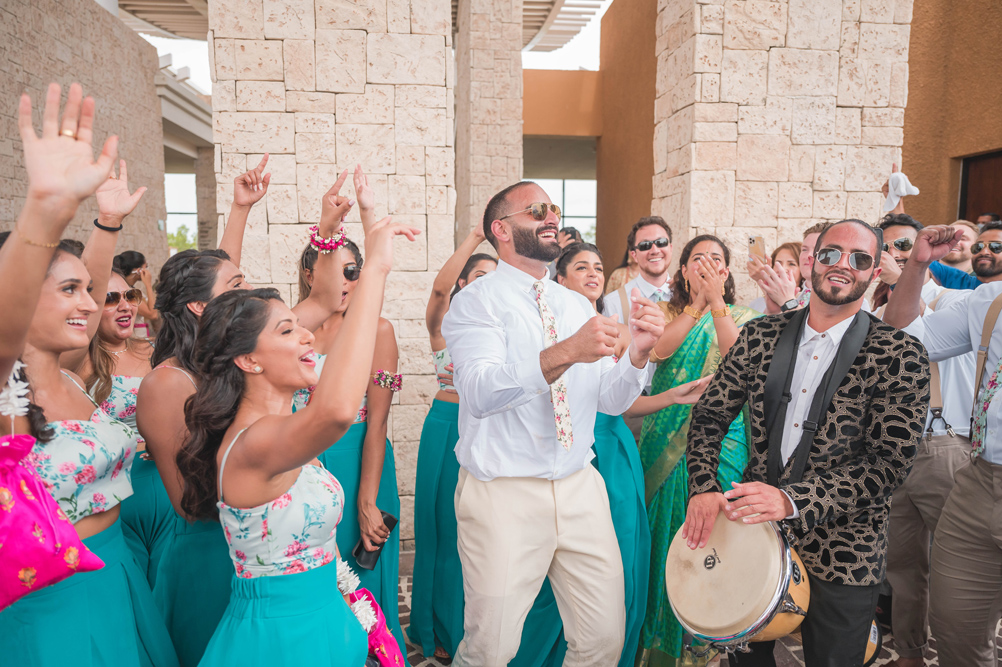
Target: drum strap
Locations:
point(784, 359)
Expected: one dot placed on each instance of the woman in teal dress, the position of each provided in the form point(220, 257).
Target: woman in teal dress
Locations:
point(362, 459)
point(701, 329)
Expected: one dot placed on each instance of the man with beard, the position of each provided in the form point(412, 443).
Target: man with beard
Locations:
point(649, 243)
point(960, 257)
point(965, 585)
point(532, 368)
point(837, 404)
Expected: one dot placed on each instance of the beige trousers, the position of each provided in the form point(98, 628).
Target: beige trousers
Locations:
point(516, 531)
point(915, 510)
point(966, 582)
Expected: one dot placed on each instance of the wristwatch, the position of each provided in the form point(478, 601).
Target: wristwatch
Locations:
point(789, 305)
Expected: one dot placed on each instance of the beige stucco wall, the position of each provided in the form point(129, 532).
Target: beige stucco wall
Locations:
point(43, 41)
point(322, 86)
point(954, 100)
point(772, 116)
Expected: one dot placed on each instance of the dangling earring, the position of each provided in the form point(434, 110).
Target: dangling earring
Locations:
point(687, 290)
point(721, 290)
point(257, 369)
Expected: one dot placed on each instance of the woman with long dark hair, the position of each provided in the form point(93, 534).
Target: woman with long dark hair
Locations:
point(253, 462)
point(702, 325)
point(363, 457)
point(437, 592)
point(132, 264)
point(82, 454)
point(188, 282)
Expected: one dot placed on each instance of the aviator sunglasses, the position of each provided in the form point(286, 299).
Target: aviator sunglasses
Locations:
point(902, 244)
point(351, 272)
point(994, 246)
point(644, 246)
point(859, 261)
point(537, 211)
point(132, 296)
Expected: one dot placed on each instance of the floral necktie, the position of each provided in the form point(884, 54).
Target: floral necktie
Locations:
point(558, 390)
point(659, 295)
point(980, 426)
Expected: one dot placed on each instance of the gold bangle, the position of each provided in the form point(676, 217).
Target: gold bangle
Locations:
point(693, 313)
point(723, 312)
point(655, 358)
point(34, 243)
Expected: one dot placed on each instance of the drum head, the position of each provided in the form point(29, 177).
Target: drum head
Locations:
point(723, 588)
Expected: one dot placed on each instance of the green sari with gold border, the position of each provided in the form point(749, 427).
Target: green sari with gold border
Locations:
point(666, 479)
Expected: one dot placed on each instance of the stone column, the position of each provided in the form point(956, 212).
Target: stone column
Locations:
point(207, 234)
point(488, 105)
point(772, 116)
point(322, 85)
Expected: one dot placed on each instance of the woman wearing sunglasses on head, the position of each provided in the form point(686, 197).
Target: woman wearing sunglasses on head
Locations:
point(362, 458)
point(703, 324)
point(82, 454)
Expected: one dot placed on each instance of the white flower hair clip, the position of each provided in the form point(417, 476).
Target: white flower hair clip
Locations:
point(14, 396)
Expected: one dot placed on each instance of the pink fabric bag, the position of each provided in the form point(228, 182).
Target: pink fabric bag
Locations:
point(38, 544)
point(382, 646)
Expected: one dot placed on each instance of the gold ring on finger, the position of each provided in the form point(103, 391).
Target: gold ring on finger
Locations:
point(69, 133)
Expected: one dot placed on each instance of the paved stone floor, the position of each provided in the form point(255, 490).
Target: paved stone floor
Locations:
point(788, 654)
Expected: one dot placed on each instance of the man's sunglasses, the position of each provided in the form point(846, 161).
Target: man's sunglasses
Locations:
point(994, 246)
point(351, 272)
point(133, 296)
point(902, 244)
point(859, 261)
point(538, 211)
point(644, 246)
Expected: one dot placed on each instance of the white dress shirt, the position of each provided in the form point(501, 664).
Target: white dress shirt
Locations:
point(495, 335)
point(614, 306)
point(956, 374)
point(815, 355)
point(956, 330)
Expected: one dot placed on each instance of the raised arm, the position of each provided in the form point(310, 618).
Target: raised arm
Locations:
point(61, 173)
point(248, 189)
point(931, 244)
point(146, 309)
point(438, 302)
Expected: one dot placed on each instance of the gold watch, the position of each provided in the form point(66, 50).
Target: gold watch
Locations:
point(723, 312)
point(693, 313)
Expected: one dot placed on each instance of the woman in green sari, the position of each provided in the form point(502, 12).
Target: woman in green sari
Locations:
point(702, 325)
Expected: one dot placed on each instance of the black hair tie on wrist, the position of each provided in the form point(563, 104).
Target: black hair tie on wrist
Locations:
point(105, 228)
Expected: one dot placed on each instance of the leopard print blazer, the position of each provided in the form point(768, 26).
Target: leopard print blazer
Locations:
point(863, 450)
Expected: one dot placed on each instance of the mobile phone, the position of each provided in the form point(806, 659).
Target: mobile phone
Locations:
point(756, 247)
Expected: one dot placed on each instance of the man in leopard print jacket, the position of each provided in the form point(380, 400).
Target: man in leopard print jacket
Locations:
point(836, 497)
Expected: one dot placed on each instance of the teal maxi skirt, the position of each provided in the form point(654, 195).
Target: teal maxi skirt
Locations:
point(344, 460)
point(193, 585)
point(288, 619)
point(104, 618)
point(147, 518)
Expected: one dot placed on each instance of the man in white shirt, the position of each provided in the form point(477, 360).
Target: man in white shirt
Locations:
point(532, 367)
point(965, 590)
point(649, 243)
point(831, 438)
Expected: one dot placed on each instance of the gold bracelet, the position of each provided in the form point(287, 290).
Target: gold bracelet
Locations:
point(693, 313)
point(723, 312)
point(34, 243)
point(655, 358)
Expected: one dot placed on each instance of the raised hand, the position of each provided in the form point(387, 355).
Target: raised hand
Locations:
point(379, 243)
point(713, 282)
point(779, 286)
point(60, 164)
point(595, 340)
point(890, 271)
point(248, 188)
point(934, 243)
point(113, 199)
point(333, 207)
point(886, 187)
point(647, 323)
point(363, 192)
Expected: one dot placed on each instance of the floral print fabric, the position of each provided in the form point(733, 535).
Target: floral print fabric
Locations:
point(121, 402)
point(293, 533)
point(302, 397)
point(980, 427)
point(558, 390)
point(86, 466)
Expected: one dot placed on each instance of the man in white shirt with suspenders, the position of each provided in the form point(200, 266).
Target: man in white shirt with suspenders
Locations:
point(965, 598)
point(533, 366)
point(649, 244)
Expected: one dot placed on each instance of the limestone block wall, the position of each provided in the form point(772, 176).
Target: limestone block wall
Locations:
point(771, 116)
point(46, 40)
point(488, 105)
point(322, 85)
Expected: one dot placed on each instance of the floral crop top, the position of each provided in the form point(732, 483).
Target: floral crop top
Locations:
point(121, 402)
point(442, 358)
point(86, 466)
point(293, 533)
point(302, 397)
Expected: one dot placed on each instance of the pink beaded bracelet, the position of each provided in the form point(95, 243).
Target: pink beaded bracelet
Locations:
point(387, 380)
point(323, 245)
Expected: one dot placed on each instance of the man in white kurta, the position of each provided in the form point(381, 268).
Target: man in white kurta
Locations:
point(529, 353)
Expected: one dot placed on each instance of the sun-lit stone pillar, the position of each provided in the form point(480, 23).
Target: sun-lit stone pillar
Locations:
point(772, 116)
point(322, 85)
